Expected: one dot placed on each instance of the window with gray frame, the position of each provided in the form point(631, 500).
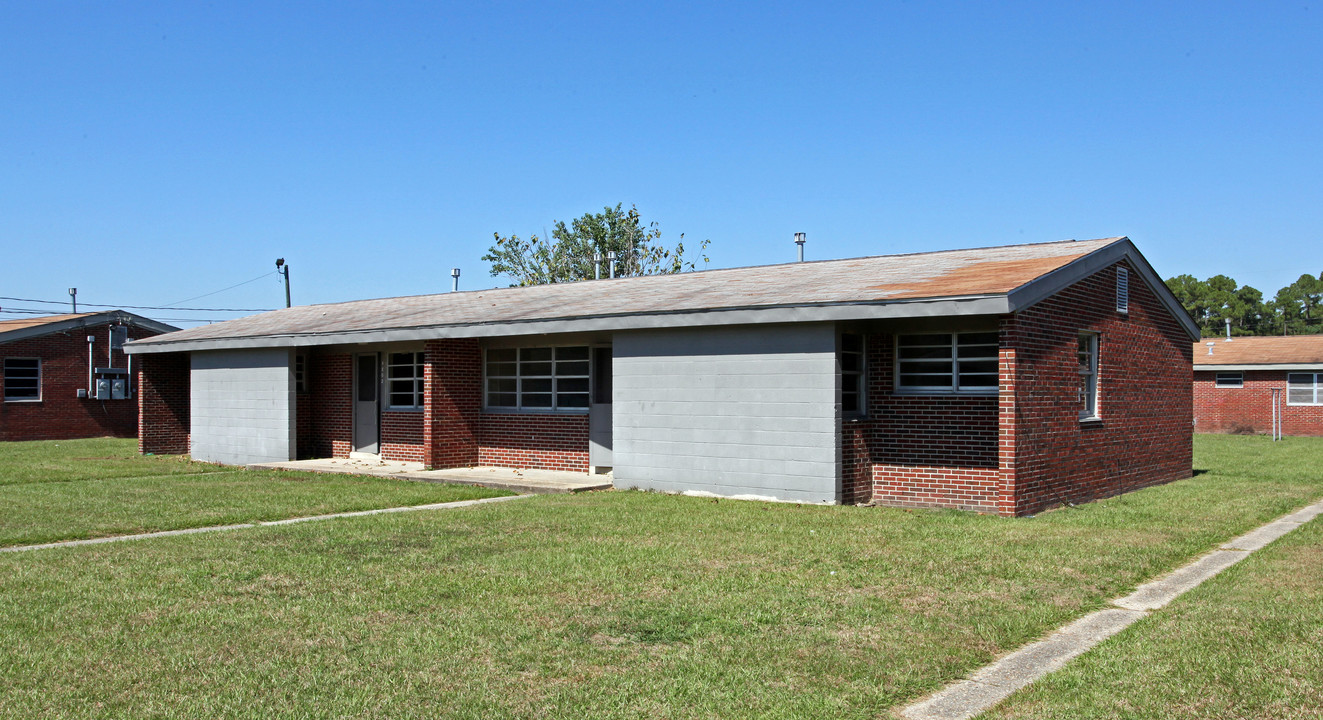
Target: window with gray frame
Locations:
point(947, 362)
point(300, 374)
point(851, 359)
point(537, 378)
point(22, 379)
point(1301, 389)
point(404, 380)
point(1087, 356)
point(1229, 380)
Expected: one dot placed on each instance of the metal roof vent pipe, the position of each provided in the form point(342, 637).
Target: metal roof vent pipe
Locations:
point(597, 265)
point(1228, 329)
point(1210, 347)
point(611, 260)
point(454, 279)
point(799, 240)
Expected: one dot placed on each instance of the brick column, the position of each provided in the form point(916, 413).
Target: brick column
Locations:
point(452, 390)
point(1006, 419)
point(163, 403)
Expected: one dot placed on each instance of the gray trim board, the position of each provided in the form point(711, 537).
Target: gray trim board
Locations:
point(1303, 367)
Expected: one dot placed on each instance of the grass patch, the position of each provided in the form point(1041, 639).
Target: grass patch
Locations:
point(96, 488)
point(616, 605)
point(1246, 644)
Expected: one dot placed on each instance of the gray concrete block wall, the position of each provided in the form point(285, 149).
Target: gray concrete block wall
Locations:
point(242, 406)
point(733, 411)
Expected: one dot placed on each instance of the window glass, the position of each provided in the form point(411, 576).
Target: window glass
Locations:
point(851, 361)
point(404, 380)
point(22, 379)
point(538, 378)
point(1230, 380)
point(1088, 371)
point(1301, 389)
point(300, 374)
point(950, 362)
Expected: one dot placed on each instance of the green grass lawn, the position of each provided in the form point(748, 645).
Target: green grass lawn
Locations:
point(71, 489)
point(618, 605)
point(1246, 644)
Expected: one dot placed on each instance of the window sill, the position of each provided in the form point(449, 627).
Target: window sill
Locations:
point(1094, 420)
point(26, 401)
point(402, 409)
point(989, 392)
point(534, 411)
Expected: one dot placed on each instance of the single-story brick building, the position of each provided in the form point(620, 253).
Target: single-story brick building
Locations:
point(1004, 379)
point(1234, 380)
point(66, 376)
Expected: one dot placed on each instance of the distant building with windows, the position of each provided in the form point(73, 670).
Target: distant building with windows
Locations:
point(1234, 382)
point(1003, 379)
point(66, 376)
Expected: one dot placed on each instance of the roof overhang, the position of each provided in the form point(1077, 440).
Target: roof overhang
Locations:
point(927, 307)
point(1063, 277)
point(102, 318)
point(1311, 367)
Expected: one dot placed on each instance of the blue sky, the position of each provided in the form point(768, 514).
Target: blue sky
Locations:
point(155, 152)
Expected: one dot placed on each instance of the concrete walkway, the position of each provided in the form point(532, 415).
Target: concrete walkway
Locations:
point(521, 481)
point(260, 523)
point(994, 683)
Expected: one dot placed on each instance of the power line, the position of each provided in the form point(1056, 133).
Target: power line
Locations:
point(245, 282)
point(143, 307)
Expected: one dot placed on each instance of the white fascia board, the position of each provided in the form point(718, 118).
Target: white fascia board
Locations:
point(1045, 286)
point(1309, 367)
point(945, 307)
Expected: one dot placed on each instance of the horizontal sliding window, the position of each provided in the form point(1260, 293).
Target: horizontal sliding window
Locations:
point(947, 362)
point(543, 378)
point(404, 380)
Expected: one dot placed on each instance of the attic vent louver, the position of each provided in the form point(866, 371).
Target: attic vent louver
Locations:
point(1122, 290)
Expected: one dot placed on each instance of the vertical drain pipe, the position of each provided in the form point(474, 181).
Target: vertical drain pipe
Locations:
point(799, 240)
point(91, 345)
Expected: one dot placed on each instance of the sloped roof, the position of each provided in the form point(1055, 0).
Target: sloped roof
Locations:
point(11, 330)
point(953, 282)
point(1293, 350)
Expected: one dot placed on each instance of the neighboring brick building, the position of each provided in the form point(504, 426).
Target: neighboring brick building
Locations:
point(54, 366)
point(1234, 382)
point(1002, 380)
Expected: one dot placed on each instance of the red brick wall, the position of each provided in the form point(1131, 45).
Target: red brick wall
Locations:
point(543, 441)
point(920, 450)
point(61, 414)
point(325, 414)
point(1144, 398)
point(1248, 409)
point(452, 382)
point(163, 403)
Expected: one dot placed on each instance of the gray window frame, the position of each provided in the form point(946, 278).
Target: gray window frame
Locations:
point(4, 370)
point(1239, 381)
point(555, 377)
point(419, 364)
point(1088, 398)
point(1315, 387)
point(858, 376)
point(954, 345)
point(300, 374)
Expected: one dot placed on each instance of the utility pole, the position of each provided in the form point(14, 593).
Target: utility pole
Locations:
point(283, 269)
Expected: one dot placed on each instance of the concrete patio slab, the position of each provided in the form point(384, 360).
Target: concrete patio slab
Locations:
point(521, 481)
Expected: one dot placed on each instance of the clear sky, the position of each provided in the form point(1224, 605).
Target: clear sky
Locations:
point(154, 152)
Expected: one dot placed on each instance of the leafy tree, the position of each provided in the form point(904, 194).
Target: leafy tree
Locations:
point(1299, 306)
point(567, 255)
point(1220, 298)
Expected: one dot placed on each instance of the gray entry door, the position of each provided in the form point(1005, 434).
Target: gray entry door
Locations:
point(599, 410)
point(367, 408)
